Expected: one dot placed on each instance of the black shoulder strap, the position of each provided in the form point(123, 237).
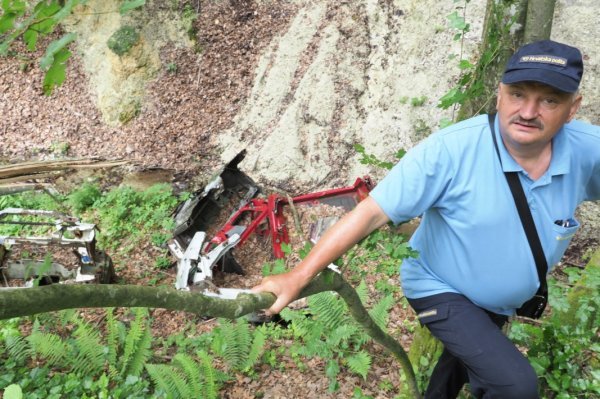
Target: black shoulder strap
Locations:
point(525, 215)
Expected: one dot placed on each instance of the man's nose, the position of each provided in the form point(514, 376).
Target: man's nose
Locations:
point(529, 109)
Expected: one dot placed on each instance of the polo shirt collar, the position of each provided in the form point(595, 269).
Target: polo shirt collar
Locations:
point(560, 163)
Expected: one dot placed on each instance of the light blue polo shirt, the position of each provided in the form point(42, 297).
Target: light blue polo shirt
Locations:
point(471, 240)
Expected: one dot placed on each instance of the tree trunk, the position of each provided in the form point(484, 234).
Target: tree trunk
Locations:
point(15, 302)
point(502, 35)
point(539, 20)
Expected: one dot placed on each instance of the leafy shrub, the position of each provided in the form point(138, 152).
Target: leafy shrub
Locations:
point(90, 365)
point(125, 213)
point(564, 348)
point(84, 197)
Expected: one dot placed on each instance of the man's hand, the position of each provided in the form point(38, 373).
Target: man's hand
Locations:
point(286, 287)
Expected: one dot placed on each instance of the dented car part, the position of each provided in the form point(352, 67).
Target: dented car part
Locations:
point(197, 257)
point(66, 232)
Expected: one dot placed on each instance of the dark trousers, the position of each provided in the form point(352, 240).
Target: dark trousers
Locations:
point(475, 351)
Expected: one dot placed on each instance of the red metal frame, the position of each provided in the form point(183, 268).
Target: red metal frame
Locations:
point(266, 215)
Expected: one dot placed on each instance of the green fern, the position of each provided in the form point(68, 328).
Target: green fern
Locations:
point(210, 389)
point(233, 342)
point(363, 292)
point(141, 354)
point(360, 363)
point(256, 349)
point(49, 347)
point(112, 342)
point(133, 341)
point(186, 378)
point(18, 348)
point(381, 311)
point(192, 373)
point(329, 308)
point(170, 379)
point(90, 351)
point(343, 333)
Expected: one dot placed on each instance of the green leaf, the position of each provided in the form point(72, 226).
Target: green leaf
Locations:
point(14, 6)
point(130, 5)
point(465, 64)
point(65, 11)
point(13, 391)
point(359, 148)
point(54, 48)
point(7, 22)
point(30, 36)
point(43, 17)
point(56, 75)
point(400, 153)
point(456, 21)
point(454, 96)
point(5, 45)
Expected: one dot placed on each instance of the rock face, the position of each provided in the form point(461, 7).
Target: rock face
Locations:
point(347, 73)
point(296, 83)
point(119, 81)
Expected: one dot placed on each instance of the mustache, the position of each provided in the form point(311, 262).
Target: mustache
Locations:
point(527, 122)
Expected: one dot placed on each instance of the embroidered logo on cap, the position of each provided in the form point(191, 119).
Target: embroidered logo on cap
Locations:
point(544, 59)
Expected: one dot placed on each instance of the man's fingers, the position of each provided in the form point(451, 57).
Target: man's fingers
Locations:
point(281, 288)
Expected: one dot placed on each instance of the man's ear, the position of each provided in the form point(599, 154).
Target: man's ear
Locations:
point(574, 107)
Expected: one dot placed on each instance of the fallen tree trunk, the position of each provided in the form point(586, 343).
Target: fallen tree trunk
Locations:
point(15, 302)
point(33, 170)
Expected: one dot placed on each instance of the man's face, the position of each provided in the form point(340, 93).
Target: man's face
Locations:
point(531, 114)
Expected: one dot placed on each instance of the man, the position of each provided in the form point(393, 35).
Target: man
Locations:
point(475, 265)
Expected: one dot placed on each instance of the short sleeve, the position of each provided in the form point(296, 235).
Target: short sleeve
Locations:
point(417, 182)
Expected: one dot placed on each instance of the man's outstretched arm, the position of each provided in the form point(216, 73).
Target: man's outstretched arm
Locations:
point(362, 220)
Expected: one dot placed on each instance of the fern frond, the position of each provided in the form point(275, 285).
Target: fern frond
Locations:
point(133, 338)
point(243, 337)
point(112, 336)
point(343, 332)
point(192, 374)
point(300, 324)
point(90, 351)
point(316, 347)
point(256, 349)
point(112, 342)
point(18, 348)
point(210, 389)
point(360, 363)
point(381, 311)
point(141, 355)
point(362, 291)
point(234, 342)
point(162, 376)
point(170, 379)
point(49, 346)
point(329, 308)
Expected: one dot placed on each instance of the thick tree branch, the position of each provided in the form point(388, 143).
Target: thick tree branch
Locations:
point(15, 302)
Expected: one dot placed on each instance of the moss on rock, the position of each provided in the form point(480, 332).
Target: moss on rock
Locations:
point(123, 40)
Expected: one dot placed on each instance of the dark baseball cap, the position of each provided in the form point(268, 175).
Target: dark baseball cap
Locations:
point(552, 63)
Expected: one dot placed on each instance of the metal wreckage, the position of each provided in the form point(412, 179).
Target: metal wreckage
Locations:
point(66, 232)
point(197, 253)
